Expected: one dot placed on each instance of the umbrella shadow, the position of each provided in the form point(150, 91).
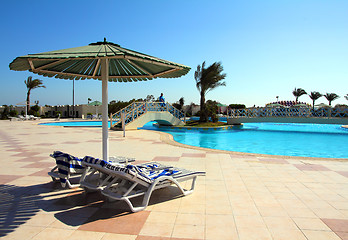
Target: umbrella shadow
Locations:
point(19, 204)
point(71, 207)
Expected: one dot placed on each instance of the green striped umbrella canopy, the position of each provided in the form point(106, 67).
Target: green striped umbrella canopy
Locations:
point(85, 63)
point(95, 103)
point(105, 61)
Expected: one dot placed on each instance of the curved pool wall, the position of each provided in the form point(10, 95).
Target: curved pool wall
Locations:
point(287, 139)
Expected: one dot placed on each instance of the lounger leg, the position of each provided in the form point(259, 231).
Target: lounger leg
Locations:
point(148, 193)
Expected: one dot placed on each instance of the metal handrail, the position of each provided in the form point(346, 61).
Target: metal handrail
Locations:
point(137, 109)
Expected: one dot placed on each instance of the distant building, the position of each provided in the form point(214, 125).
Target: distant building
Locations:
point(65, 111)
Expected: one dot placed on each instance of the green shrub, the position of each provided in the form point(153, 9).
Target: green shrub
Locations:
point(237, 106)
point(13, 113)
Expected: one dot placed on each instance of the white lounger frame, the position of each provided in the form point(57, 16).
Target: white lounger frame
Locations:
point(119, 185)
point(55, 177)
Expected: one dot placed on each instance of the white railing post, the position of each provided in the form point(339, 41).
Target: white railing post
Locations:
point(123, 123)
point(110, 120)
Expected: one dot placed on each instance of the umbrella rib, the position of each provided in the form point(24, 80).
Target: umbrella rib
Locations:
point(84, 76)
point(155, 62)
point(31, 64)
point(166, 72)
point(142, 69)
point(96, 68)
point(51, 64)
point(112, 50)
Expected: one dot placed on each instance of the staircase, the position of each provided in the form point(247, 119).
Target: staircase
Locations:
point(139, 113)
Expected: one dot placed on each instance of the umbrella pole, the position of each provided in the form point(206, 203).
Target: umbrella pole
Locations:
point(105, 78)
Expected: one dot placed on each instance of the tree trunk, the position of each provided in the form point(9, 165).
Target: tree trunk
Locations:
point(313, 104)
point(28, 101)
point(203, 113)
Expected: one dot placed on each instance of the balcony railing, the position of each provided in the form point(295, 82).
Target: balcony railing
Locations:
point(289, 112)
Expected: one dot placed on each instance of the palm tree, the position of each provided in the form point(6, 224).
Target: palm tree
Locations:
point(32, 84)
point(315, 96)
point(208, 79)
point(181, 102)
point(298, 92)
point(331, 97)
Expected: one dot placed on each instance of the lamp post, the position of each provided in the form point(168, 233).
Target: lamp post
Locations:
point(277, 97)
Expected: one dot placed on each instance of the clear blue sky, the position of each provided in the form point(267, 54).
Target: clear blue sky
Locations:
point(267, 48)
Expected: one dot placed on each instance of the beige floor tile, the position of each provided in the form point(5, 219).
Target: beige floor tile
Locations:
point(341, 205)
point(86, 235)
point(320, 235)
point(53, 234)
point(280, 222)
point(157, 229)
point(24, 232)
point(252, 233)
point(218, 208)
point(162, 217)
point(188, 231)
point(192, 208)
point(286, 234)
point(247, 221)
point(328, 213)
point(190, 219)
point(300, 212)
point(272, 212)
point(172, 206)
point(113, 236)
point(41, 220)
point(311, 224)
point(220, 227)
point(247, 210)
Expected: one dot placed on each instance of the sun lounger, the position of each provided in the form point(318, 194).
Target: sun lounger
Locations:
point(125, 182)
point(13, 118)
point(32, 117)
point(69, 167)
point(93, 180)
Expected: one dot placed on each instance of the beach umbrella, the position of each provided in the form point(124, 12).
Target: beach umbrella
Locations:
point(25, 103)
point(104, 61)
point(96, 104)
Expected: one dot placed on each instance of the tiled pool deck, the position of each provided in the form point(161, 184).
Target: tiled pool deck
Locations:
point(241, 196)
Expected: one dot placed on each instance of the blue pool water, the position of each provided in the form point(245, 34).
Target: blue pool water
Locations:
point(76, 124)
point(288, 139)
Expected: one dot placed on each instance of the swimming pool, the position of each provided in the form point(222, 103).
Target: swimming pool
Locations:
point(288, 139)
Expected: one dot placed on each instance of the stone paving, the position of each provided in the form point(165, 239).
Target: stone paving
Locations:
point(241, 196)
